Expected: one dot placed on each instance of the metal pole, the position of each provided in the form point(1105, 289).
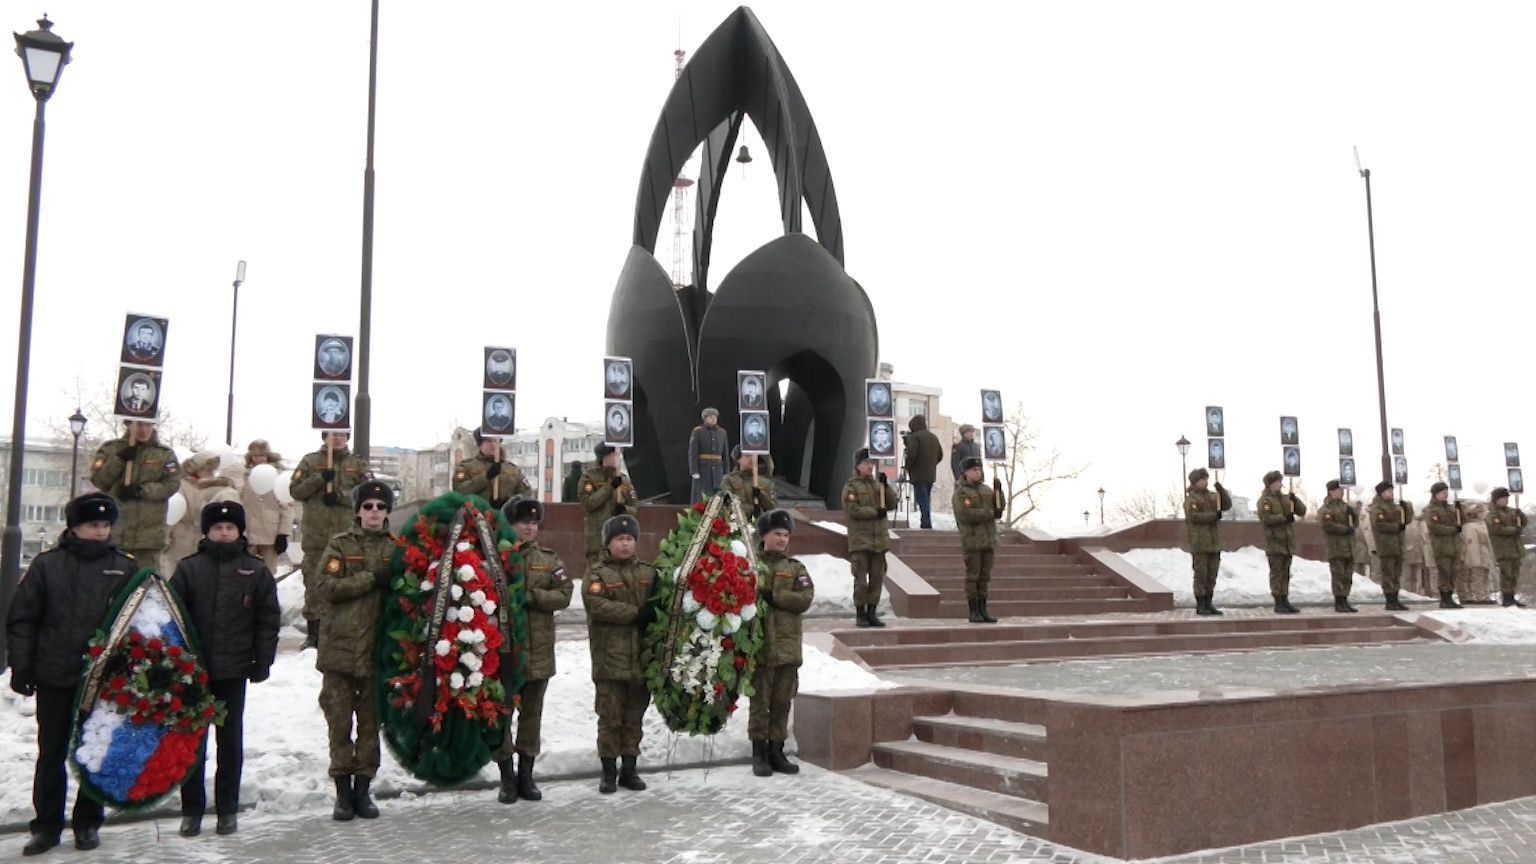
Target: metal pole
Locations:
point(361, 411)
point(10, 548)
point(74, 469)
point(1381, 375)
point(229, 411)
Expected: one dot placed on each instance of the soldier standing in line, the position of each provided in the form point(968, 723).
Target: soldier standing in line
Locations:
point(484, 474)
point(1339, 521)
point(354, 568)
point(758, 496)
point(706, 455)
point(1505, 525)
point(268, 520)
point(605, 493)
point(617, 599)
point(547, 589)
point(788, 592)
point(1279, 513)
point(976, 515)
point(1389, 522)
point(869, 535)
point(1444, 521)
point(326, 494)
point(140, 474)
point(1202, 511)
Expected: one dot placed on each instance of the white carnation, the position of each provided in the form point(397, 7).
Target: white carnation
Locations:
point(488, 607)
point(738, 548)
point(442, 647)
point(477, 598)
point(706, 620)
point(455, 592)
point(467, 637)
point(732, 622)
point(749, 611)
point(690, 603)
point(466, 573)
point(456, 681)
point(470, 661)
point(475, 678)
point(462, 546)
point(426, 585)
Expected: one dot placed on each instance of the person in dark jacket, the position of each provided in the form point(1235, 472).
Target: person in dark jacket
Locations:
point(60, 603)
point(966, 448)
point(924, 453)
point(231, 600)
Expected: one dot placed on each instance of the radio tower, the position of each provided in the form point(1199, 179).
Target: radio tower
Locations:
point(679, 199)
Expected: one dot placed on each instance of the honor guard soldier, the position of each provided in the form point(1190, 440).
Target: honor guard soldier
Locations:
point(1444, 521)
point(706, 455)
point(757, 496)
point(1389, 522)
point(1505, 525)
point(60, 601)
point(787, 591)
point(976, 515)
point(1339, 521)
point(547, 590)
point(484, 474)
point(616, 595)
point(140, 474)
point(353, 571)
point(605, 493)
point(1202, 517)
point(866, 504)
point(326, 493)
point(1279, 512)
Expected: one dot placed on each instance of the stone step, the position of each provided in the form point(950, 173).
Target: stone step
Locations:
point(1001, 737)
point(1009, 592)
point(953, 606)
point(1017, 814)
point(1109, 629)
point(954, 565)
point(1006, 775)
point(916, 558)
point(1016, 580)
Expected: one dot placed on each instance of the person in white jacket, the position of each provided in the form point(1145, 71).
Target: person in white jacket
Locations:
point(268, 521)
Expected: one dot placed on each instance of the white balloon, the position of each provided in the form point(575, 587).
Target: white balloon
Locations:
point(1480, 487)
point(175, 508)
point(280, 489)
point(262, 479)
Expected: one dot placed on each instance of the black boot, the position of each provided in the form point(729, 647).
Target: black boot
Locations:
point(507, 792)
point(974, 605)
point(526, 788)
point(1447, 601)
point(985, 615)
point(311, 633)
point(362, 802)
point(778, 761)
point(39, 844)
point(609, 784)
point(863, 620)
point(629, 778)
point(1289, 609)
point(191, 826)
point(344, 810)
point(1210, 605)
point(1507, 598)
point(760, 767)
point(1341, 604)
point(1203, 607)
point(1393, 604)
point(226, 824)
point(869, 614)
point(1279, 605)
point(87, 838)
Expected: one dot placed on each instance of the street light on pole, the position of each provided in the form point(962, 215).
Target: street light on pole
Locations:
point(234, 318)
point(1101, 506)
point(76, 428)
point(43, 57)
point(1183, 445)
point(1381, 374)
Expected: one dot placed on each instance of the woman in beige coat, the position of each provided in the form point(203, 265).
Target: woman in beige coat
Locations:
point(268, 521)
point(1477, 562)
point(201, 487)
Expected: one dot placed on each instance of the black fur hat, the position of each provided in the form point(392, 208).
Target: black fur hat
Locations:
point(523, 510)
point(774, 520)
point(624, 524)
point(970, 462)
point(1383, 486)
point(90, 507)
point(372, 490)
point(601, 450)
point(1498, 493)
point(1437, 489)
point(1273, 477)
point(223, 511)
point(1332, 485)
point(861, 455)
point(1197, 475)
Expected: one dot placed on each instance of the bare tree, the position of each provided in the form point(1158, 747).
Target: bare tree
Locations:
point(96, 406)
point(1029, 471)
point(1148, 504)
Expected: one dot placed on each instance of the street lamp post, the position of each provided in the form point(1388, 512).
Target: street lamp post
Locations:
point(362, 412)
point(43, 57)
point(1101, 506)
point(1183, 445)
point(1381, 374)
point(234, 318)
point(1085, 517)
point(76, 428)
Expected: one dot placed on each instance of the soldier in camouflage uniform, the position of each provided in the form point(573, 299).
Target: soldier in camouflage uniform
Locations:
point(758, 498)
point(1202, 512)
point(1389, 522)
point(866, 500)
point(976, 516)
point(1505, 525)
point(787, 593)
point(604, 493)
point(1339, 521)
point(1279, 513)
point(326, 494)
point(140, 491)
point(616, 595)
point(707, 446)
point(494, 479)
point(1444, 521)
point(547, 590)
point(353, 570)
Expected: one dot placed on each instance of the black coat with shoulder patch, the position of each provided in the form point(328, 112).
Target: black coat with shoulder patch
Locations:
point(232, 603)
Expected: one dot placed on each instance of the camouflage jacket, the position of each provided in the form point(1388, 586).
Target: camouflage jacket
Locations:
point(349, 632)
point(1444, 522)
point(1338, 520)
point(792, 591)
point(322, 521)
point(1389, 520)
point(547, 587)
point(1202, 513)
point(1275, 510)
point(614, 594)
point(975, 516)
point(756, 501)
point(863, 501)
point(156, 474)
point(599, 499)
point(470, 479)
point(1505, 525)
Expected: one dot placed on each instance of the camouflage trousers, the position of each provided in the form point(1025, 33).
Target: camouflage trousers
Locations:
point(313, 607)
point(978, 573)
point(620, 707)
point(1391, 575)
point(1342, 570)
point(868, 577)
point(1206, 565)
point(773, 692)
point(148, 557)
point(343, 698)
point(530, 714)
point(1279, 574)
point(1509, 574)
point(1446, 570)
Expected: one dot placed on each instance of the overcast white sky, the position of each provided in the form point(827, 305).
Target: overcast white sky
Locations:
point(1116, 213)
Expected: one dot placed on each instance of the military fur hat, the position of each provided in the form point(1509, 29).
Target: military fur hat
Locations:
point(775, 520)
point(372, 490)
point(970, 462)
point(1272, 477)
point(1197, 475)
point(1437, 489)
point(200, 463)
point(223, 511)
point(861, 455)
point(259, 447)
point(1498, 493)
point(710, 412)
point(624, 524)
point(601, 450)
point(479, 434)
point(1383, 486)
point(90, 507)
point(523, 510)
point(1331, 485)
point(966, 427)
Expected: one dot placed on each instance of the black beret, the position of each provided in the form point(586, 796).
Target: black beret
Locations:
point(223, 511)
point(372, 490)
point(90, 507)
point(775, 520)
point(523, 510)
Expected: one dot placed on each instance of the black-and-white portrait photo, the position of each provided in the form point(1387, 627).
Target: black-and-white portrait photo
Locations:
point(332, 406)
point(1400, 468)
point(138, 393)
point(1452, 453)
point(882, 439)
point(500, 369)
point(991, 406)
point(498, 413)
point(333, 358)
point(1216, 454)
point(751, 390)
point(1511, 455)
point(1346, 443)
point(1347, 472)
point(1516, 481)
point(1397, 442)
point(877, 399)
point(754, 432)
point(1453, 476)
point(994, 443)
point(618, 423)
point(144, 340)
point(1290, 432)
point(1215, 422)
point(1292, 457)
point(618, 378)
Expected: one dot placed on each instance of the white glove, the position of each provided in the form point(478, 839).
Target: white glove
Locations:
point(695, 476)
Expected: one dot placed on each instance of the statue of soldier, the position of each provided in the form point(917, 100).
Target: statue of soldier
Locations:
point(707, 447)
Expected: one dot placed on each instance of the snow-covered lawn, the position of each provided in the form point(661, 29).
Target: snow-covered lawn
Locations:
point(1492, 626)
point(1244, 578)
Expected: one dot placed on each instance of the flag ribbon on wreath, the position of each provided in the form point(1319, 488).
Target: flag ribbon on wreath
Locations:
point(695, 548)
point(503, 615)
point(120, 627)
point(443, 581)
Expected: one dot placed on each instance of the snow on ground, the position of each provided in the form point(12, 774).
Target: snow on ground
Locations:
point(1244, 578)
point(285, 735)
point(834, 587)
point(1491, 626)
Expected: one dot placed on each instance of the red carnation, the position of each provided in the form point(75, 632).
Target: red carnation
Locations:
point(728, 644)
point(159, 717)
point(731, 708)
point(95, 651)
point(119, 683)
point(202, 677)
point(173, 651)
point(155, 645)
point(715, 606)
point(123, 699)
point(136, 653)
point(741, 662)
point(719, 688)
point(698, 507)
point(208, 713)
point(719, 527)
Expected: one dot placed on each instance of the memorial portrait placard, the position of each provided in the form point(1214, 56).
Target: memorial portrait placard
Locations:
point(1292, 459)
point(994, 442)
point(754, 433)
point(618, 378)
point(144, 340)
point(1346, 442)
point(331, 406)
point(1290, 432)
point(500, 369)
point(1400, 470)
point(498, 414)
point(1397, 442)
point(1215, 422)
point(1511, 454)
point(751, 390)
point(1216, 454)
point(991, 406)
point(878, 404)
point(1516, 481)
point(1347, 471)
point(333, 358)
point(138, 393)
point(618, 423)
point(1453, 476)
point(1452, 452)
point(882, 438)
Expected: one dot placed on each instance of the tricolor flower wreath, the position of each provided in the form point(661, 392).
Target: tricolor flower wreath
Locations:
point(702, 645)
point(145, 700)
point(470, 657)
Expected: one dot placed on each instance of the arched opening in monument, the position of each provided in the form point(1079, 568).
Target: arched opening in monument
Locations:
point(807, 399)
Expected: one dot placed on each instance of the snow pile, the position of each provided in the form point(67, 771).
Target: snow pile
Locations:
point(1496, 626)
point(834, 587)
point(1244, 578)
